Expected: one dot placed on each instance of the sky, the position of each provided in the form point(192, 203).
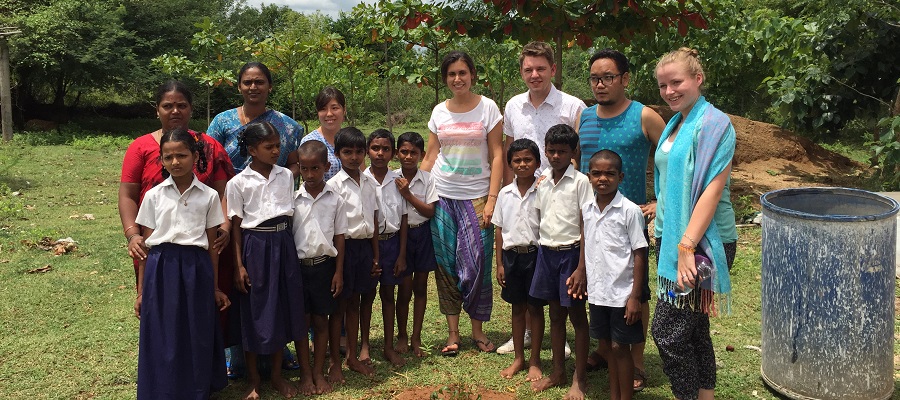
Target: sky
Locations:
point(328, 7)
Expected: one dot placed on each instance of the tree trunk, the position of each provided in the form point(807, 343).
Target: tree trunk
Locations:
point(558, 56)
point(387, 96)
point(437, 76)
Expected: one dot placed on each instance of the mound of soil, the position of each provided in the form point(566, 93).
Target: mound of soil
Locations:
point(768, 157)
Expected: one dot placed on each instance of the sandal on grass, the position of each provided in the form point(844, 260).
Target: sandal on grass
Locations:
point(448, 352)
point(288, 362)
point(641, 377)
point(595, 362)
point(484, 347)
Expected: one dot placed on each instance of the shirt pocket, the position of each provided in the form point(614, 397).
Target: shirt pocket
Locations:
point(616, 238)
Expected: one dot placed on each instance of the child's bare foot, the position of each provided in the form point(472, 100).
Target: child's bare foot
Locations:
point(416, 345)
point(322, 385)
point(402, 345)
point(335, 373)
point(576, 392)
point(516, 366)
point(555, 379)
point(534, 374)
point(252, 392)
point(364, 355)
point(361, 367)
point(283, 387)
point(394, 358)
point(307, 387)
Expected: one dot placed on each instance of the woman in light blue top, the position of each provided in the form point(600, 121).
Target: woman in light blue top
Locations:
point(332, 110)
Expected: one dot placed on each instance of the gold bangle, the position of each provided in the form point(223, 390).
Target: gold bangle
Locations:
point(492, 195)
point(693, 242)
point(126, 229)
point(684, 247)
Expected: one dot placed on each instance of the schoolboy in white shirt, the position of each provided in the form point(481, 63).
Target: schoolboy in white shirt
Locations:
point(516, 249)
point(559, 276)
point(615, 262)
point(392, 233)
point(361, 266)
point(417, 188)
point(319, 226)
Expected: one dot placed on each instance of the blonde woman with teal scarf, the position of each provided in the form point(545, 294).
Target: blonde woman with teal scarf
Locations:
point(694, 215)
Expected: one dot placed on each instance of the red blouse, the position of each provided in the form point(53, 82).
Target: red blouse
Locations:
point(141, 164)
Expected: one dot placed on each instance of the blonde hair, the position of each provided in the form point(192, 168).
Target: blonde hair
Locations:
point(688, 57)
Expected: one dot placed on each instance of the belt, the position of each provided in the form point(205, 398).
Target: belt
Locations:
point(277, 228)
point(418, 225)
point(564, 247)
point(386, 236)
point(523, 249)
point(309, 262)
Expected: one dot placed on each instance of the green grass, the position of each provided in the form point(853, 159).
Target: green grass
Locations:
point(70, 333)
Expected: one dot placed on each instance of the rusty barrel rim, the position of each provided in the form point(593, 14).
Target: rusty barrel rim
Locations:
point(766, 200)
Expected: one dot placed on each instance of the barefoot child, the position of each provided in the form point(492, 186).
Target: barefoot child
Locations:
point(181, 352)
point(559, 276)
point(517, 240)
point(615, 261)
point(361, 267)
point(260, 205)
point(392, 228)
point(417, 188)
point(319, 227)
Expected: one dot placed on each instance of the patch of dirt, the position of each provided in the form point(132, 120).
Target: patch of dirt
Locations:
point(768, 157)
point(453, 392)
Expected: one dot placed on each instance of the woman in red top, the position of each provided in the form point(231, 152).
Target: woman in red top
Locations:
point(142, 170)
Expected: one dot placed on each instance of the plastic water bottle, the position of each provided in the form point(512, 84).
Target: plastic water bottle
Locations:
point(704, 271)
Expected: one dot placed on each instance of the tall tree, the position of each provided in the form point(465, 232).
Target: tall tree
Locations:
point(70, 46)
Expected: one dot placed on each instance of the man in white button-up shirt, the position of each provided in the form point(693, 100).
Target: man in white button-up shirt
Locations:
point(529, 115)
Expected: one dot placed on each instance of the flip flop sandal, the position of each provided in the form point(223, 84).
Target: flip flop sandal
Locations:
point(289, 362)
point(640, 376)
point(229, 372)
point(595, 362)
point(448, 352)
point(488, 345)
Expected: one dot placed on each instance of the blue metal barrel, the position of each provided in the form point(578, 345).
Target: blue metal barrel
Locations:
point(828, 264)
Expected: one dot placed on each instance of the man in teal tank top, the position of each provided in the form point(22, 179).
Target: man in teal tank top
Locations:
point(629, 128)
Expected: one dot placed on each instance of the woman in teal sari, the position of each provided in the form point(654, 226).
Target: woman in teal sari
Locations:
point(255, 85)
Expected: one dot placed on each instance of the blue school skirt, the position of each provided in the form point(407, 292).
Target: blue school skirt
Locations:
point(272, 312)
point(180, 349)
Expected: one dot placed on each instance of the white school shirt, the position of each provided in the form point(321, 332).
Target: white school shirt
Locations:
point(180, 218)
point(516, 216)
point(360, 203)
point(462, 170)
point(256, 199)
point(560, 206)
point(391, 205)
point(317, 220)
point(521, 120)
point(421, 186)
point(610, 237)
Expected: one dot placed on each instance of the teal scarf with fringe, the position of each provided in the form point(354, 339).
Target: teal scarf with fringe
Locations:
point(703, 149)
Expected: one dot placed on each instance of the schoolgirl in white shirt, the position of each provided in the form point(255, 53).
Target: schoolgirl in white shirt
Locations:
point(260, 204)
point(177, 299)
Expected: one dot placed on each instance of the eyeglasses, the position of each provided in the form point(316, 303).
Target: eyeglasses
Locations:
point(606, 79)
